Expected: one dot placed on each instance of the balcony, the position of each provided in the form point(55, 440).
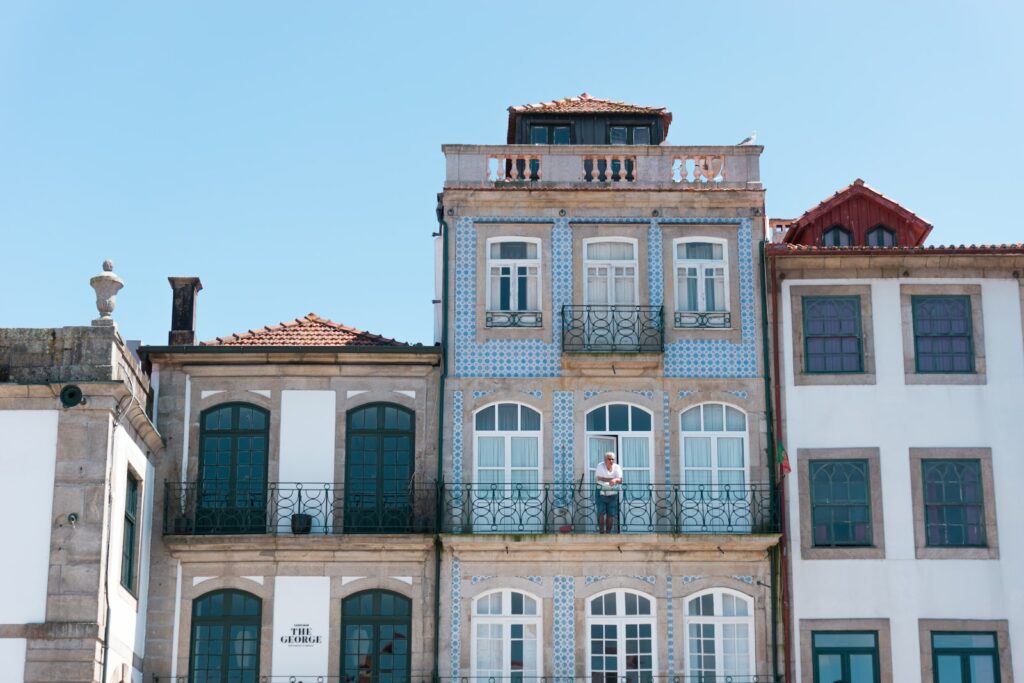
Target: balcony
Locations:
point(572, 509)
point(703, 320)
point(602, 166)
point(213, 507)
point(612, 329)
point(514, 319)
point(514, 677)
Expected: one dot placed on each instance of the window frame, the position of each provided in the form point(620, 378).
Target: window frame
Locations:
point(844, 652)
point(514, 316)
point(679, 264)
point(506, 618)
point(611, 264)
point(715, 436)
point(617, 436)
point(807, 627)
point(550, 126)
point(837, 229)
point(807, 336)
point(375, 621)
point(507, 435)
point(621, 620)
point(809, 551)
point(131, 533)
point(388, 506)
point(883, 229)
point(801, 377)
point(998, 627)
point(916, 302)
point(910, 371)
point(990, 551)
point(717, 621)
point(631, 129)
point(246, 620)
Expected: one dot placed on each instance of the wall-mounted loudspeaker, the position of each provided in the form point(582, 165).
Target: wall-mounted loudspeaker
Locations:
point(71, 396)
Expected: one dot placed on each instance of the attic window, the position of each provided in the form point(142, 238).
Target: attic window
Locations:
point(629, 135)
point(836, 236)
point(881, 236)
point(549, 135)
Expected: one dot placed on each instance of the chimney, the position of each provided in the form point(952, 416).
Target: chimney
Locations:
point(183, 310)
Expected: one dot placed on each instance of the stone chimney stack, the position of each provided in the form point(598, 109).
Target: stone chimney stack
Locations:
point(183, 311)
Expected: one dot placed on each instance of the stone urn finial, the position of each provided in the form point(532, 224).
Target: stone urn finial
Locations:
point(107, 284)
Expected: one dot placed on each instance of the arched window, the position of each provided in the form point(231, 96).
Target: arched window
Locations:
point(625, 430)
point(714, 446)
point(881, 236)
point(611, 272)
point(232, 469)
point(836, 236)
point(719, 635)
point(379, 443)
point(225, 638)
point(507, 630)
point(513, 282)
point(375, 635)
point(621, 642)
point(702, 282)
point(506, 469)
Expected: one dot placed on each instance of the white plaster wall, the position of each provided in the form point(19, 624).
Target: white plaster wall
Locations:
point(12, 659)
point(895, 417)
point(28, 456)
point(307, 436)
point(304, 601)
point(127, 611)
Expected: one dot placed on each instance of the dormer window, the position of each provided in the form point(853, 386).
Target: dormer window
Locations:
point(547, 134)
point(881, 236)
point(513, 283)
point(836, 236)
point(629, 135)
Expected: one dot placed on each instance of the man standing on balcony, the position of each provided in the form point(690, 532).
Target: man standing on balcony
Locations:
point(608, 475)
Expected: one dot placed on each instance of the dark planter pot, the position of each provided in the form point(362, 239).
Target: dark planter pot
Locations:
point(301, 523)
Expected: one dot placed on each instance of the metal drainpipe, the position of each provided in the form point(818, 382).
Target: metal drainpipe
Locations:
point(783, 552)
point(438, 547)
point(771, 454)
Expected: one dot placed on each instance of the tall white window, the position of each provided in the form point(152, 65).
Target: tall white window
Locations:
point(719, 635)
point(507, 466)
point(507, 636)
point(621, 642)
point(702, 282)
point(513, 282)
point(611, 271)
point(714, 446)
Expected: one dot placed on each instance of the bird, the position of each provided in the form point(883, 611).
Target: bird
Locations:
point(748, 140)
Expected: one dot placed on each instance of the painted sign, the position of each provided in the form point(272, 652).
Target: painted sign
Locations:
point(302, 606)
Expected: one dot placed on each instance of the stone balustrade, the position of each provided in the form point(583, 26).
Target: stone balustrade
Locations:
point(589, 166)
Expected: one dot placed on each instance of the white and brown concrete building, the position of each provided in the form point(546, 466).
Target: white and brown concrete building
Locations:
point(900, 368)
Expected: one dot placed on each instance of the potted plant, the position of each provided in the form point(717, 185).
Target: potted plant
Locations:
point(302, 523)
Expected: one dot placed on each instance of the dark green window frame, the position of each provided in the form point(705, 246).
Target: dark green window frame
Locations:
point(956, 331)
point(379, 469)
point(223, 620)
point(845, 653)
point(836, 236)
point(628, 133)
point(881, 236)
point(383, 619)
point(840, 493)
point(960, 657)
point(954, 503)
point(836, 344)
point(552, 133)
point(130, 534)
point(232, 488)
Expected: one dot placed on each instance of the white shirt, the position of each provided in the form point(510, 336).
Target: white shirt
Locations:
point(614, 473)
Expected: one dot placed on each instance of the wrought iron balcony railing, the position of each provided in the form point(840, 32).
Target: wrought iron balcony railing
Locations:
point(612, 329)
point(712, 320)
point(629, 677)
point(514, 319)
point(217, 507)
point(642, 508)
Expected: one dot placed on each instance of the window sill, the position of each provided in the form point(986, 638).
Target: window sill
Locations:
point(851, 552)
point(962, 378)
point(957, 553)
point(833, 378)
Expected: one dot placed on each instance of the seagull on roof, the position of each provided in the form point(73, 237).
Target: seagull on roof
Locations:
point(748, 140)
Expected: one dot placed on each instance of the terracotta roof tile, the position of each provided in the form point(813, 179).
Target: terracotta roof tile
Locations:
point(784, 248)
point(585, 103)
point(311, 330)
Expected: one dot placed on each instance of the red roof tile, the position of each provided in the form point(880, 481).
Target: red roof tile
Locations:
point(311, 330)
point(584, 103)
point(783, 249)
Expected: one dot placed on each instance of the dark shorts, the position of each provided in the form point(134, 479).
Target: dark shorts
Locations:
point(608, 505)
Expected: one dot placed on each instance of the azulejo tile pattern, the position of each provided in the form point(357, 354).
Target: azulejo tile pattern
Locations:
point(564, 623)
point(690, 579)
point(666, 436)
point(653, 580)
point(457, 437)
point(539, 580)
point(456, 616)
point(479, 579)
point(536, 358)
point(719, 357)
point(562, 436)
point(688, 392)
point(738, 393)
point(589, 580)
point(481, 394)
point(670, 630)
point(744, 579)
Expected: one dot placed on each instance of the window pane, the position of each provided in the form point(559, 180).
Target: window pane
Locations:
point(560, 135)
point(530, 420)
point(610, 251)
point(953, 503)
point(844, 639)
point(485, 419)
point(942, 333)
point(690, 420)
point(538, 135)
point(618, 418)
point(596, 420)
point(963, 640)
point(948, 669)
point(832, 334)
point(641, 420)
point(508, 417)
point(617, 135)
point(735, 421)
point(641, 136)
point(713, 421)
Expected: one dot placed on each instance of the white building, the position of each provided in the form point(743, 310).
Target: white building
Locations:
point(901, 370)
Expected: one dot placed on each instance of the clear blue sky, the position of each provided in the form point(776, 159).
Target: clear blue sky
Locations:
point(288, 153)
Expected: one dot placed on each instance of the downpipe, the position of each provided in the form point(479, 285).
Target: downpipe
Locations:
point(439, 503)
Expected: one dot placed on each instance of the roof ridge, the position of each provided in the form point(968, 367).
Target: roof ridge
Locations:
point(311, 321)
